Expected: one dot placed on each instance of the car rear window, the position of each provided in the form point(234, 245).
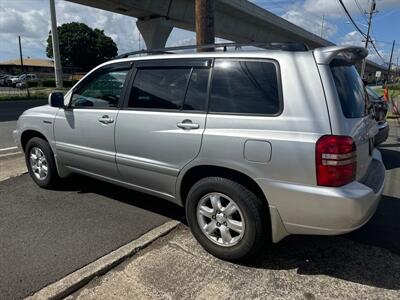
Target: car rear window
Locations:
point(350, 89)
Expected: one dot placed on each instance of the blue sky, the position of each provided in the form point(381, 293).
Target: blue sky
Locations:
point(30, 19)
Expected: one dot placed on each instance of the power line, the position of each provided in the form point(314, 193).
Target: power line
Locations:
point(351, 19)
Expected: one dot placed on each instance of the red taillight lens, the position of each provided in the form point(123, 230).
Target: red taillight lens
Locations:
point(336, 160)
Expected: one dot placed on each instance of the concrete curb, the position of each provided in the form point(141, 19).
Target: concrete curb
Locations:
point(81, 277)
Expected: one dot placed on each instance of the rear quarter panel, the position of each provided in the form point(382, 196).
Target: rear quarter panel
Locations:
point(292, 134)
point(360, 129)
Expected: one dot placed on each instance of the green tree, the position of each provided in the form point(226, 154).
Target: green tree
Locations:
point(81, 46)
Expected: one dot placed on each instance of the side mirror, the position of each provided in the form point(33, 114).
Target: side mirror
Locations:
point(56, 99)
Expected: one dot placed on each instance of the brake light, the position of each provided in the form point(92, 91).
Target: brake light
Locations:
point(336, 160)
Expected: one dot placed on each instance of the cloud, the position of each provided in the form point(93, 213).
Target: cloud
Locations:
point(122, 29)
point(310, 23)
point(353, 38)
point(30, 19)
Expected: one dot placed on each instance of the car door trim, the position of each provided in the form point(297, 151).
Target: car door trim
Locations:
point(145, 164)
point(86, 151)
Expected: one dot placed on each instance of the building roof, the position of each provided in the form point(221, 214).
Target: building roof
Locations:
point(29, 62)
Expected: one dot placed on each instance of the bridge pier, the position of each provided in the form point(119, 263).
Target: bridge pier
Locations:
point(155, 31)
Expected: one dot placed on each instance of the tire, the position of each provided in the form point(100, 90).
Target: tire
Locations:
point(51, 177)
point(252, 210)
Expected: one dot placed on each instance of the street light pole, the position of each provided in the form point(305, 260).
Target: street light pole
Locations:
point(56, 47)
point(371, 12)
point(205, 33)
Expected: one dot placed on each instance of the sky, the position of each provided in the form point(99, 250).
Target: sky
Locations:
point(30, 19)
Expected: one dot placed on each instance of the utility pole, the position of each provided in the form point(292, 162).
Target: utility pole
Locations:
point(56, 47)
point(22, 65)
point(371, 12)
point(390, 61)
point(205, 33)
point(322, 26)
point(20, 55)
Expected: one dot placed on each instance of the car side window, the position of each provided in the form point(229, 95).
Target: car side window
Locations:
point(159, 88)
point(245, 87)
point(196, 94)
point(103, 91)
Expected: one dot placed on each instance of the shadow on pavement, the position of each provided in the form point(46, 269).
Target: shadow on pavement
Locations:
point(83, 184)
point(391, 158)
point(389, 145)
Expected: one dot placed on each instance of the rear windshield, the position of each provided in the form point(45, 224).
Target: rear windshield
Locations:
point(350, 89)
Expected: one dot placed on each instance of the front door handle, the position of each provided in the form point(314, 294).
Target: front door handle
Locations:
point(106, 120)
point(188, 125)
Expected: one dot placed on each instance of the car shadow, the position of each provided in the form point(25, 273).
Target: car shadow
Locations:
point(369, 256)
point(391, 158)
point(83, 184)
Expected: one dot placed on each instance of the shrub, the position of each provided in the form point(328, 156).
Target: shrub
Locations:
point(52, 83)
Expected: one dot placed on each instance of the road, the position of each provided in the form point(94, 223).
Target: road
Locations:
point(9, 113)
point(47, 234)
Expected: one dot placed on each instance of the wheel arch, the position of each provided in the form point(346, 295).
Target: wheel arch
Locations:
point(198, 172)
point(29, 134)
point(195, 173)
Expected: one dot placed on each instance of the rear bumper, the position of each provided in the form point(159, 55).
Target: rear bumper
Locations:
point(325, 210)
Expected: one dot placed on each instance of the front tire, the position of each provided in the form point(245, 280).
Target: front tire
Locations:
point(40, 162)
point(227, 218)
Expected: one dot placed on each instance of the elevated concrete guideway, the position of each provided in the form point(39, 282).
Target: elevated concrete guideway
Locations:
point(235, 20)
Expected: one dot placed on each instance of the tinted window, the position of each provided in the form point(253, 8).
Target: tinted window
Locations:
point(248, 87)
point(162, 88)
point(350, 89)
point(102, 91)
point(196, 94)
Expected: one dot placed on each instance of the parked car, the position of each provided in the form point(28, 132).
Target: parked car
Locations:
point(12, 81)
point(251, 146)
point(29, 77)
point(3, 79)
point(20, 81)
point(380, 108)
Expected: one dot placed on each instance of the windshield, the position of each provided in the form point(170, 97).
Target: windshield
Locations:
point(350, 89)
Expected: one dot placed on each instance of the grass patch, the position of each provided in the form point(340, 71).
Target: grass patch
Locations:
point(394, 91)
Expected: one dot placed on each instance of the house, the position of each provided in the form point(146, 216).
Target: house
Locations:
point(41, 67)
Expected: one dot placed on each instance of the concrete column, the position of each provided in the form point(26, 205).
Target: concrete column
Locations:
point(155, 31)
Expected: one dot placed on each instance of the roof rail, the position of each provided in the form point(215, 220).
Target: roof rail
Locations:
point(286, 46)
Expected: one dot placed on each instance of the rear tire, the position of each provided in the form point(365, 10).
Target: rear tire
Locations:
point(220, 233)
point(40, 162)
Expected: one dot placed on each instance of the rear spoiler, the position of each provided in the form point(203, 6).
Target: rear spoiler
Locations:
point(350, 54)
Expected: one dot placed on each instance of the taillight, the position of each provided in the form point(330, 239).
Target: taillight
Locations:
point(336, 160)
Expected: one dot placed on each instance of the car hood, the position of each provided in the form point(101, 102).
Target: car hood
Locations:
point(44, 110)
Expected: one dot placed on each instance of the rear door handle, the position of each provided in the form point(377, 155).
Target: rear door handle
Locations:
point(188, 125)
point(106, 120)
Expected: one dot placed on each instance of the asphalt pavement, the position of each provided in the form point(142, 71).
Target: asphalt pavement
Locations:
point(47, 234)
point(9, 113)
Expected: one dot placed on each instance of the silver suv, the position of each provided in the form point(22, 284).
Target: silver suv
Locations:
point(256, 145)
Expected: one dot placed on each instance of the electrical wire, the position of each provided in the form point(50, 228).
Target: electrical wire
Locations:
point(351, 19)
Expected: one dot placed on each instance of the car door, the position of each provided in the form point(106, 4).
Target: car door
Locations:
point(84, 131)
point(160, 127)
